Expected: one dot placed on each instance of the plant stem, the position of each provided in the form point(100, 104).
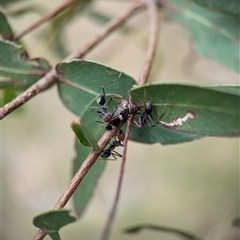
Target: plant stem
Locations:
point(118, 21)
point(80, 174)
point(45, 18)
point(152, 43)
point(51, 76)
point(107, 229)
point(84, 168)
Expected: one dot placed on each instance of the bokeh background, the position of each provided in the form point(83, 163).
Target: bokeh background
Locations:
point(192, 186)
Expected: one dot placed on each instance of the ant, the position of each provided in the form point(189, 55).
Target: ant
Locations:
point(110, 150)
point(117, 143)
point(122, 111)
point(102, 101)
point(118, 116)
point(144, 116)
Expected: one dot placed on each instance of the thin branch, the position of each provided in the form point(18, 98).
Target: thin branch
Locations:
point(107, 229)
point(82, 171)
point(152, 45)
point(153, 40)
point(118, 21)
point(88, 162)
point(51, 76)
point(45, 18)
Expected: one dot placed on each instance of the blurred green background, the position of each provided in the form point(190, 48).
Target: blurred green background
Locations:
point(192, 186)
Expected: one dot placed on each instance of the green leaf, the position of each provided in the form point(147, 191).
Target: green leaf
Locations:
point(214, 35)
point(85, 190)
point(144, 135)
point(192, 109)
point(158, 134)
point(182, 233)
point(228, 7)
point(53, 220)
point(16, 66)
point(84, 137)
point(88, 78)
point(5, 29)
point(236, 222)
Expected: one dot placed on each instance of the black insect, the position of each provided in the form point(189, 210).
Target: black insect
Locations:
point(102, 101)
point(144, 116)
point(122, 112)
point(110, 150)
point(119, 114)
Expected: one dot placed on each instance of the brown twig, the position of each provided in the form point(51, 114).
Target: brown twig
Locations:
point(103, 33)
point(107, 229)
point(84, 168)
point(45, 18)
point(152, 43)
point(47, 81)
